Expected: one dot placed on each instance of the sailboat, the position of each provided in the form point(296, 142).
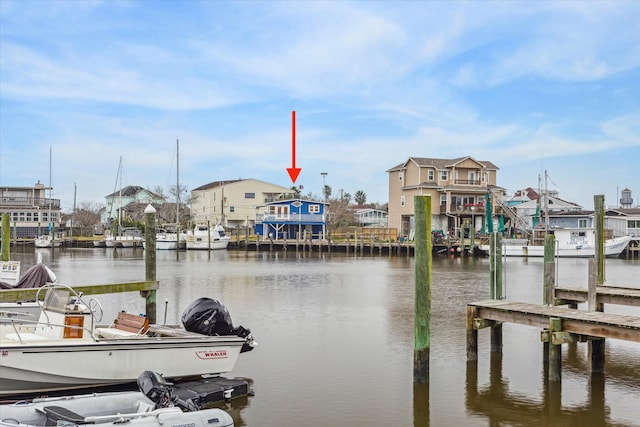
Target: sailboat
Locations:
point(48, 240)
point(122, 237)
point(170, 237)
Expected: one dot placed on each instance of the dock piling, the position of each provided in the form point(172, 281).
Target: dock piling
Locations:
point(150, 261)
point(423, 259)
point(6, 236)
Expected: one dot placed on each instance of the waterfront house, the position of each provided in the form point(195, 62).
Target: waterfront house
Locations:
point(119, 203)
point(457, 188)
point(370, 217)
point(292, 219)
point(624, 222)
point(30, 210)
point(233, 203)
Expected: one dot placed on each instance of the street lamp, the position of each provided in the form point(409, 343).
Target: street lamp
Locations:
point(324, 176)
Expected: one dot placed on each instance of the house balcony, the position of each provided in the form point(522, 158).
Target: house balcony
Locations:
point(467, 209)
point(29, 202)
point(475, 182)
point(291, 218)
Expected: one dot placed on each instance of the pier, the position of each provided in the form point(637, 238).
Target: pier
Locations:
point(559, 325)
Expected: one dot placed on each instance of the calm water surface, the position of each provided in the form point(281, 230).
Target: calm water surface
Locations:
point(335, 337)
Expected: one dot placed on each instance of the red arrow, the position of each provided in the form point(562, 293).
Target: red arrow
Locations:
point(293, 170)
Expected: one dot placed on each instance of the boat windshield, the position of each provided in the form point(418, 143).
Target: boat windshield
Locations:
point(56, 299)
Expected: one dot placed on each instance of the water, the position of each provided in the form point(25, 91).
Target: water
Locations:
point(335, 337)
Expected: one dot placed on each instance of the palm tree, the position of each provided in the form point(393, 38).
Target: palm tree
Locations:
point(360, 197)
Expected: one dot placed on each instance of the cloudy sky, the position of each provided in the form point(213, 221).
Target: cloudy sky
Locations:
point(530, 86)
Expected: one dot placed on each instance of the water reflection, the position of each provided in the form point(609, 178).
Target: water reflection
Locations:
point(336, 337)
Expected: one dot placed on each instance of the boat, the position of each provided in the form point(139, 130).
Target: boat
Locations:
point(68, 347)
point(154, 404)
point(36, 276)
point(204, 237)
point(170, 238)
point(47, 241)
point(570, 243)
point(127, 237)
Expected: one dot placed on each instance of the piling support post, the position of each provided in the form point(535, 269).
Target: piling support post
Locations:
point(472, 334)
point(598, 217)
point(423, 260)
point(555, 351)
point(150, 261)
point(6, 236)
point(596, 346)
point(495, 265)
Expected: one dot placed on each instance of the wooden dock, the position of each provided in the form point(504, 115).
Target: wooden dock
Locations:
point(585, 324)
point(604, 295)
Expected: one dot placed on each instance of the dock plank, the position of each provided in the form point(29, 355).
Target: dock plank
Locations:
point(604, 294)
point(591, 323)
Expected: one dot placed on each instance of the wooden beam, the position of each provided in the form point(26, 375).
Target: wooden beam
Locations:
point(11, 295)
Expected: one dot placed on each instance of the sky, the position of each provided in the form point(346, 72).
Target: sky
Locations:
point(537, 88)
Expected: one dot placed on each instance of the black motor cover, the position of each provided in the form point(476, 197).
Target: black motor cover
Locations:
point(207, 316)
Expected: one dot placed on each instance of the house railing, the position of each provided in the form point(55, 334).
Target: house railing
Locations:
point(468, 181)
point(30, 202)
point(469, 208)
point(290, 218)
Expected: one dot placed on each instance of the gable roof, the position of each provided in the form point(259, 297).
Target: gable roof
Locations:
point(441, 163)
point(132, 190)
point(217, 184)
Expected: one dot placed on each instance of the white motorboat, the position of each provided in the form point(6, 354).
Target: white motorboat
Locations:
point(10, 272)
point(570, 243)
point(67, 348)
point(154, 405)
point(128, 237)
point(204, 237)
point(47, 241)
point(168, 239)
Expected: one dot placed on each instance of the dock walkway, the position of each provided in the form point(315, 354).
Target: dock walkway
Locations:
point(585, 323)
point(605, 294)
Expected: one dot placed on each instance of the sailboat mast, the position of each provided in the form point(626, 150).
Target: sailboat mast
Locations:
point(177, 181)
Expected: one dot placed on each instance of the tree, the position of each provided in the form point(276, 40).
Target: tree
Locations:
point(326, 191)
point(88, 214)
point(360, 197)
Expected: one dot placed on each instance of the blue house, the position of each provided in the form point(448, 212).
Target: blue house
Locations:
point(292, 219)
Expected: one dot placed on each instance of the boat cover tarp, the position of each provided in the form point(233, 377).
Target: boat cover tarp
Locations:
point(36, 276)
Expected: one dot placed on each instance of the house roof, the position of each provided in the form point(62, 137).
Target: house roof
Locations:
point(623, 212)
point(216, 184)
point(132, 190)
point(441, 163)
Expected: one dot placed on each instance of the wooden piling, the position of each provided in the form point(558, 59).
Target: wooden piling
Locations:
point(555, 351)
point(598, 217)
point(472, 334)
point(150, 261)
point(495, 265)
point(6, 236)
point(423, 260)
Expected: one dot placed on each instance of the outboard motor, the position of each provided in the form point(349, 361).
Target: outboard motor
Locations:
point(156, 388)
point(209, 316)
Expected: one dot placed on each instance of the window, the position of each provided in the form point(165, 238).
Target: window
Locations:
point(633, 223)
point(314, 209)
point(400, 176)
point(444, 175)
point(443, 200)
point(582, 223)
point(232, 208)
point(249, 195)
point(401, 200)
point(430, 175)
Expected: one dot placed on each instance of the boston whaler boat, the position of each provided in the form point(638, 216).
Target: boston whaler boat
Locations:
point(155, 404)
point(67, 349)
